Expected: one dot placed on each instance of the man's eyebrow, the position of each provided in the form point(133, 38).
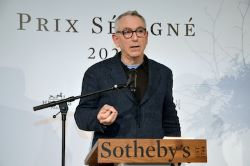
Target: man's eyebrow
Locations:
point(128, 28)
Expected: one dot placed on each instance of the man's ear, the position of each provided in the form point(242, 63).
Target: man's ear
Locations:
point(116, 40)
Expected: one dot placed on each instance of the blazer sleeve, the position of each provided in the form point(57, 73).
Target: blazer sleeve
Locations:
point(171, 124)
point(87, 110)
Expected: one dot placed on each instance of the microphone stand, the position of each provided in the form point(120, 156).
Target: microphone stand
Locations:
point(64, 109)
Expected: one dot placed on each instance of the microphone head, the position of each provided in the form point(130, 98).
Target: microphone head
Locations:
point(132, 77)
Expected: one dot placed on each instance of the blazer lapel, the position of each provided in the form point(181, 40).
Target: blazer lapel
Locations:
point(118, 76)
point(153, 81)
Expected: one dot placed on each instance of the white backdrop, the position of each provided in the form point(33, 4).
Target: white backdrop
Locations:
point(46, 46)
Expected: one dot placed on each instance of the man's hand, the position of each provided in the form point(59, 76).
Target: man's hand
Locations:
point(107, 115)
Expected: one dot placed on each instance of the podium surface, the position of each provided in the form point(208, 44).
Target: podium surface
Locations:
point(147, 151)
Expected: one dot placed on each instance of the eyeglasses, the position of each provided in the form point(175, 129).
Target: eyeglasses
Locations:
point(128, 33)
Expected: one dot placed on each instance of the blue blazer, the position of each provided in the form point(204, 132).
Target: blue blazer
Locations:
point(154, 117)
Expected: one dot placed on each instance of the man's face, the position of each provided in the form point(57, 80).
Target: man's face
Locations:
point(131, 47)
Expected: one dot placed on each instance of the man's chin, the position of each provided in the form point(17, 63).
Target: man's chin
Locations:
point(135, 54)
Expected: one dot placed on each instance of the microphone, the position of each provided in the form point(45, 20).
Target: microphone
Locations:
point(132, 80)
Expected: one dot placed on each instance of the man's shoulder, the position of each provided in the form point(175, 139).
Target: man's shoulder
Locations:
point(104, 64)
point(159, 66)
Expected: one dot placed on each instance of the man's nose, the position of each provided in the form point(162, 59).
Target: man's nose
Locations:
point(134, 36)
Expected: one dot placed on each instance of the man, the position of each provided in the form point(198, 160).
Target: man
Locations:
point(147, 111)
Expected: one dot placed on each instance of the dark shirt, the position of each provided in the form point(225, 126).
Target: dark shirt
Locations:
point(141, 80)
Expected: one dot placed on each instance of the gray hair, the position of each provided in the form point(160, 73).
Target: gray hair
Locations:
point(128, 13)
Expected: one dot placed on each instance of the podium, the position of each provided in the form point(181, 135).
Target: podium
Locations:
point(147, 151)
